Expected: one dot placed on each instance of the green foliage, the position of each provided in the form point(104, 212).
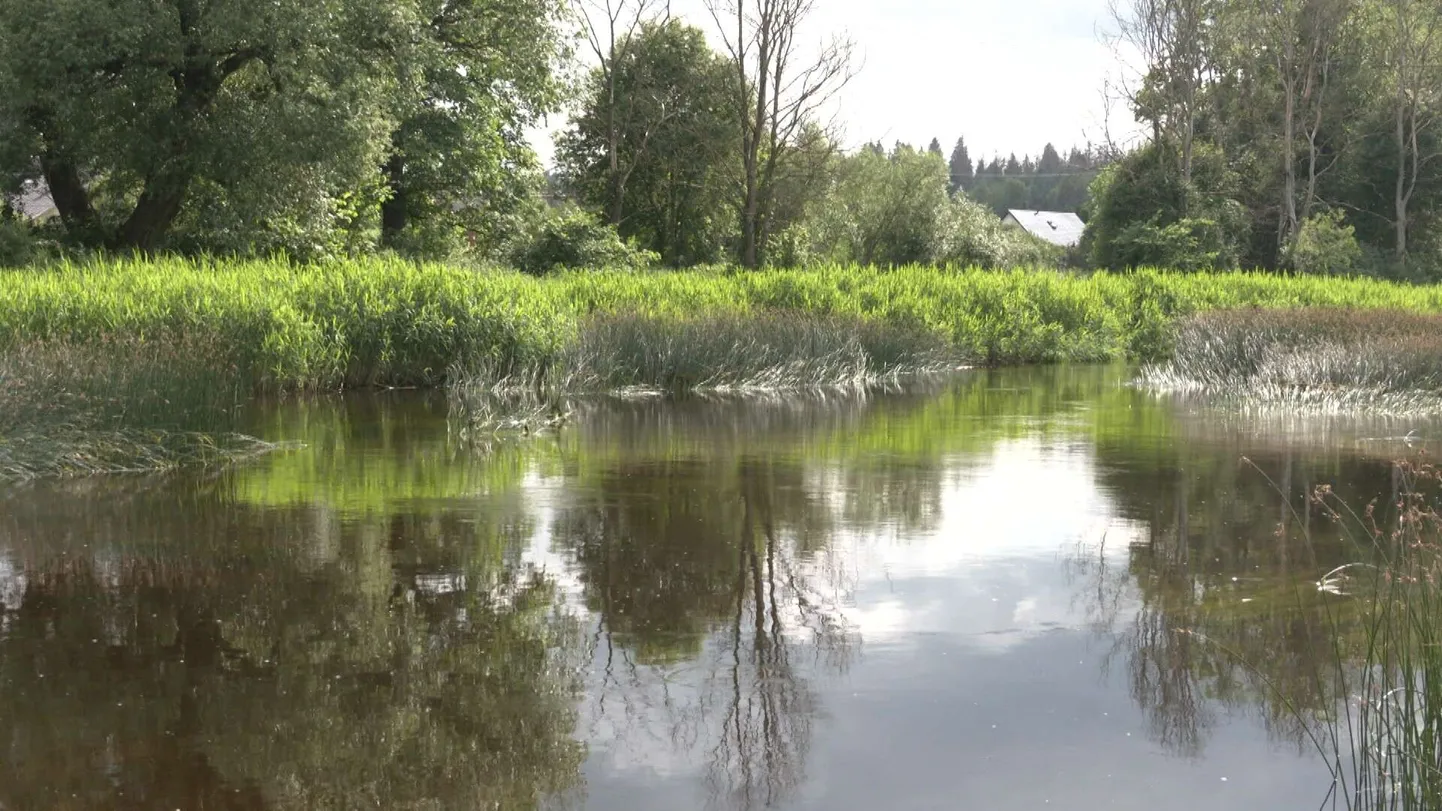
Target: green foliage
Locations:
point(969, 235)
point(569, 237)
point(1326, 244)
point(1144, 214)
point(371, 322)
point(674, 141)
point(883, 209)
point(312, 128)
point(19, 245)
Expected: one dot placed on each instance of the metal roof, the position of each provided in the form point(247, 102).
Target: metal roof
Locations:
point(1057, 227)
point(34, 202)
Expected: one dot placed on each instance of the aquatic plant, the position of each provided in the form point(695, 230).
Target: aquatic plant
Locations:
point(1318, 360)
point(1384, 745)
point(121, 404)
point(391, 323)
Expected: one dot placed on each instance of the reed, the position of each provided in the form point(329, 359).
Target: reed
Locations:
point(1385, 743)
point(375, 322)
point(1322, 360)
point(118, 405)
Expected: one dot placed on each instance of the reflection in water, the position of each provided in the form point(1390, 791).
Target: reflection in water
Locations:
point(209, 660)
point(665, 606)
point(675, 554)
point(1224, 613)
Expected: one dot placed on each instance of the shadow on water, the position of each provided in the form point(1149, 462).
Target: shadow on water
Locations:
point(664, 604)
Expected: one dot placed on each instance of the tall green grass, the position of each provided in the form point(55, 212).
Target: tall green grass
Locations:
point(378, 322)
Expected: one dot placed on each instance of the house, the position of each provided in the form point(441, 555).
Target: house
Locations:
point(34, 202)
point(1061, 228)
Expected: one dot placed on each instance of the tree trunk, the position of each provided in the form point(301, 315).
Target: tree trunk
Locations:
point(395, 214)
point(68, 192)
point(1399, 199)
point(155, 212)
point(1288, 236)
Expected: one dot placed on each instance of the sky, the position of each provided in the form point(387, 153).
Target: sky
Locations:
point(1008, 75)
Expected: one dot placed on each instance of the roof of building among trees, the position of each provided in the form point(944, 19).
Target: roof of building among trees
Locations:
point(1057, 227)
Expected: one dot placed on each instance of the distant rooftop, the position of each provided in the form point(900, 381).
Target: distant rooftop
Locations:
point(34, 202)
point(1057, 227)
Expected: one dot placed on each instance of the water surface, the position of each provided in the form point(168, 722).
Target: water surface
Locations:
point(1011, 590)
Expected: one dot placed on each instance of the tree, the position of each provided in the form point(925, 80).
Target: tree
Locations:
point(1050, 162)
point(962, 172)
point(774, 96)
point(675, 144)
point(226, 126)
point(608, 26)
point(1013, 166)
point(884, 209)
point(129, 105)
point(1143, 213)
point(1171, 37)
point(475, 74)
point(1413, 49)
point(934, 147)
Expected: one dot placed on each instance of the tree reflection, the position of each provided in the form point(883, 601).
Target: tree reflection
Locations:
point(712, 572)
point(213, 662)
point(1216, 610)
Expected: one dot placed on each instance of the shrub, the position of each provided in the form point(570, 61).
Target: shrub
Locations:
point(1326, 244)
point(568, 237)
point(970, 235)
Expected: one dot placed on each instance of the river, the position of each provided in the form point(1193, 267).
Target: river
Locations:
point(1014, 589)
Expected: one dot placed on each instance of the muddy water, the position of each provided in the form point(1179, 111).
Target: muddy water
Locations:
point(1011, 590)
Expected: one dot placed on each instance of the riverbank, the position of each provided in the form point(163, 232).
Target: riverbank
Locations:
point(1308, 361)
point(156, 335)
point(386, 323)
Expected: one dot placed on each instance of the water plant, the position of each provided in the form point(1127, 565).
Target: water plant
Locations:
point(1318, 360)
point(1384, 745)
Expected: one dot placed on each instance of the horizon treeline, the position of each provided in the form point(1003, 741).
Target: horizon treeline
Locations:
point(1303, 138)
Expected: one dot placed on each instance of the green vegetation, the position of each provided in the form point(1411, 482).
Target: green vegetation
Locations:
point(390, 323)
point(117, 405)
point(1326, 360)
point(164, 338)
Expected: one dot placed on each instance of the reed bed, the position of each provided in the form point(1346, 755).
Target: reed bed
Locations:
point(119, 405)
point(1326, 360)
point(391, 323)
point(95, 350)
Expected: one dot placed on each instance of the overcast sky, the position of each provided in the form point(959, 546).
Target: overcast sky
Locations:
point(1008, 75)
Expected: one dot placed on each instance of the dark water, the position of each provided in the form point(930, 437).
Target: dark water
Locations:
point(1015, 590)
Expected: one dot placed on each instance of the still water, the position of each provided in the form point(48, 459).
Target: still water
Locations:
point(1010, 590)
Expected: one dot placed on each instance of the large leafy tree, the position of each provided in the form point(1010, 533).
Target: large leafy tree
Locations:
point(475, 75)
point(220, 124)
point(670, 157)
point(125, 107)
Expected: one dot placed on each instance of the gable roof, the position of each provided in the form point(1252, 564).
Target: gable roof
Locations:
point(1057, 227)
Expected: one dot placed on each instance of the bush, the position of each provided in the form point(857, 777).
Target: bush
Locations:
point(968, 234)
point(1327, 245)
point(569, 237)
